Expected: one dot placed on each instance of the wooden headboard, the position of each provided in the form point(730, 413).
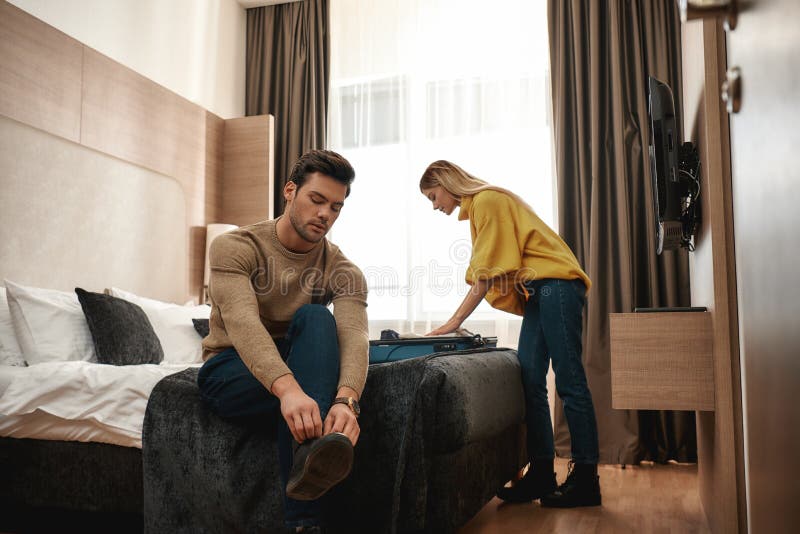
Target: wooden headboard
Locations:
point(62, 227)
point(113, 176)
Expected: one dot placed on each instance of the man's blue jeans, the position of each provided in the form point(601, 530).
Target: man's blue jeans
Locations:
point(311, 350)
point(551, 330)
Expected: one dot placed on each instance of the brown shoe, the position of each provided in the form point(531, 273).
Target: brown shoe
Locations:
point(319, 465)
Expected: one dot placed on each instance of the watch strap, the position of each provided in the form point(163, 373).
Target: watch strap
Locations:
point(351, 403)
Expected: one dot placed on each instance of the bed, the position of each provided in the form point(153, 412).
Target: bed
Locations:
point(432, 453)
point(74, 217)
point(71, 446)
point(101, 427)
point(95, 436)
point(78, 401)
point(71, 426)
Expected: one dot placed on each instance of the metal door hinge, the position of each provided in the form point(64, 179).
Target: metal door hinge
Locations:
point(728, 10)
point(732, 90)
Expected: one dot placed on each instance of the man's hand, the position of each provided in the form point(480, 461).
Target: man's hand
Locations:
point(342, 419)
point(300, 411)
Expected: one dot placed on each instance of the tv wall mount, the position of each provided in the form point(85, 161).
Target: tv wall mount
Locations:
point(680, 233)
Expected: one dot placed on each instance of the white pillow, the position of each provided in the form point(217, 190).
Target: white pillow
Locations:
point(49, 324)
point(172, 324)
point(10, 353)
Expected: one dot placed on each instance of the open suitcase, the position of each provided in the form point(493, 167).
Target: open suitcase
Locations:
point(390, 350)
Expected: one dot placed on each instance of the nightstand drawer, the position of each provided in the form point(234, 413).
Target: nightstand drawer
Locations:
point(662, 361)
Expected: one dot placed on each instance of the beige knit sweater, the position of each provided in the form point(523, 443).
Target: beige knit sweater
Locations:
point(256, 286)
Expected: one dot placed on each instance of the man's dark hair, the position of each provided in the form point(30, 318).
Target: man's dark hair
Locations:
point(326, 162)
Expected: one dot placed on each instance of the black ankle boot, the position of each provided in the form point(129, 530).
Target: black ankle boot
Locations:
point(582, 488)
point(539, 481)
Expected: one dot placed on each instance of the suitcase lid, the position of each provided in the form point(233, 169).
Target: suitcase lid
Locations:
point(477, 339)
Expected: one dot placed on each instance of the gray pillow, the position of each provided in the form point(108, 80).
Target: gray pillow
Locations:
point(120, 329)
point(201, 327)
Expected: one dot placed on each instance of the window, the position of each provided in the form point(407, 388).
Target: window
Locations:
point(421, 80)
point(478, 107)
point(369, 112)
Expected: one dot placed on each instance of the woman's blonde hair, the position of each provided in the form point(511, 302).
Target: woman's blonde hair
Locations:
point(458, 182)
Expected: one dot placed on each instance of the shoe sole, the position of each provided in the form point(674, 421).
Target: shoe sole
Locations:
point(579, 504)
point(522, 500)
point(515, 501)
point(324, 467)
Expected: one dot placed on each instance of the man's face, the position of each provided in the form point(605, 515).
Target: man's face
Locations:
point(314, 207)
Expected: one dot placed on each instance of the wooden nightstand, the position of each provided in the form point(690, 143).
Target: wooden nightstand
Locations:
point(662, 361)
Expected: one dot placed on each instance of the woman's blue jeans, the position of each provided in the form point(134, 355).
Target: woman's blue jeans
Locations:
point(311, 350)
point(551, 331)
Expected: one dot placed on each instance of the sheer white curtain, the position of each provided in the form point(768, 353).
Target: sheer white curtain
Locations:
point(413, 81)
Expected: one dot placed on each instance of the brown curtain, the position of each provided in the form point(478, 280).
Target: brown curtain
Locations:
point(288, 69)
point(601, 53)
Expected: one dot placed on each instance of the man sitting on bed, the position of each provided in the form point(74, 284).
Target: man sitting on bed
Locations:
point(274, 349)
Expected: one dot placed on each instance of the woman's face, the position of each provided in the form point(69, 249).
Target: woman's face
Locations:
point(441, 199)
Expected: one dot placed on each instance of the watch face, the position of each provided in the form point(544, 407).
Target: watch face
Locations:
point(351, 403)
point(355, 407)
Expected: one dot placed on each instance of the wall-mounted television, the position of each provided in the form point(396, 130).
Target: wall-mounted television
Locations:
point(675, 170)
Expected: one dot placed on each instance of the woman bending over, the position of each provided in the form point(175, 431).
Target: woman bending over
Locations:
point(521, 266)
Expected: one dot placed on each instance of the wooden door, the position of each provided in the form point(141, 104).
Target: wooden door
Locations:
point(765, 145)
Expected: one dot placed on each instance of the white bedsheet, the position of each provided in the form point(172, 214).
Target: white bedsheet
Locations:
point(7, 375)
point(79, 401)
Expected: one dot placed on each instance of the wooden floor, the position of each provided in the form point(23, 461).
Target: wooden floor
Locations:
point(644, 499)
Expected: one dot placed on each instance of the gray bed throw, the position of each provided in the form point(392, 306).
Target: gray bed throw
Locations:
point(206, 474)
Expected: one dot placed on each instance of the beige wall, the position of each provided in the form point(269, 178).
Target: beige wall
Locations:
point(195, 48)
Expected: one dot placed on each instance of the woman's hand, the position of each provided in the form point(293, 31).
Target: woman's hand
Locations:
point(471, 301)
point(450, 326)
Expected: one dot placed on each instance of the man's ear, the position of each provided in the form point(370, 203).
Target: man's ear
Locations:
point(289, 191)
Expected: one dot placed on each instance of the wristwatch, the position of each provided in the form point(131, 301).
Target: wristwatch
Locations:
point(351, 403)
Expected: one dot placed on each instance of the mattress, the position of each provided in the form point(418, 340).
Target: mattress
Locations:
point(78, 401)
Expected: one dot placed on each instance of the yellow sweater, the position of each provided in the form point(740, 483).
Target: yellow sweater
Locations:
point(511, 244)
point(256, 286)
